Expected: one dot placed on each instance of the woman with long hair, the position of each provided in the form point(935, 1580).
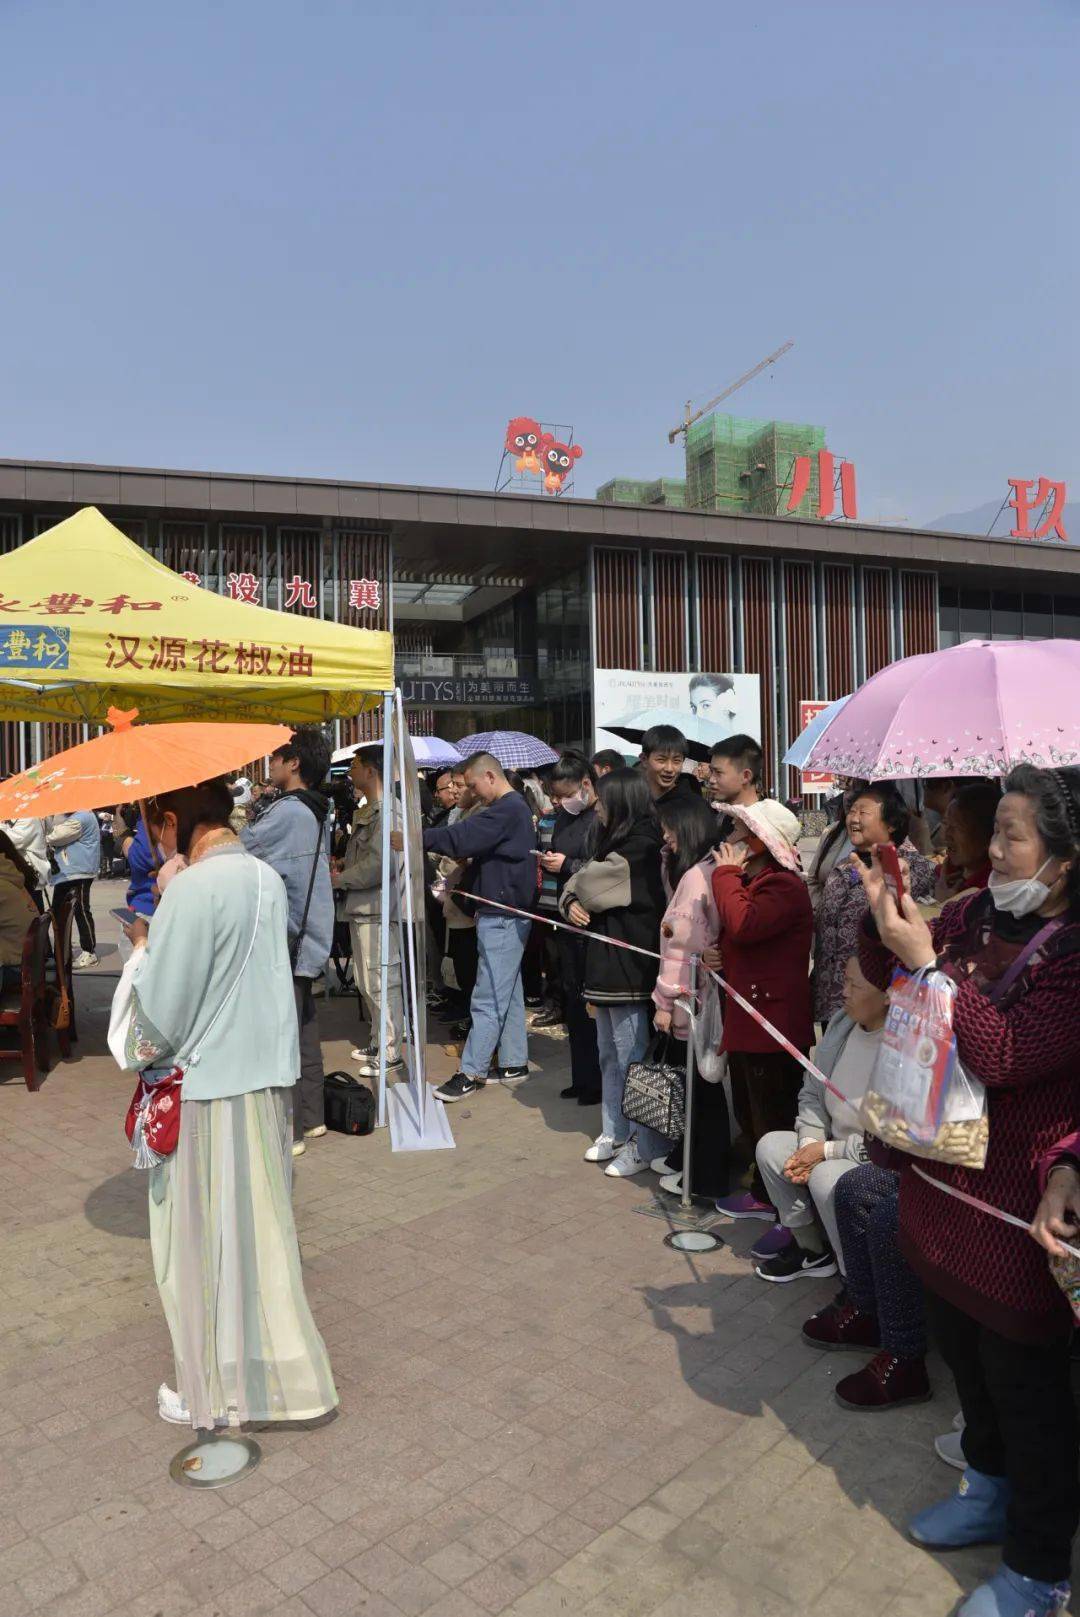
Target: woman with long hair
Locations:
point(1002, 1324)
point(572, 785)
point(689, 928)
point(619, 893)
point(205, 1013)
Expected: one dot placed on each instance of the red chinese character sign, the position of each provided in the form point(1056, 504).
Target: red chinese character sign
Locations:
point(800, 486)
point(243, 587)
point(813, 780)
point(1048, 506)
point(533, 449)
point(365, 594)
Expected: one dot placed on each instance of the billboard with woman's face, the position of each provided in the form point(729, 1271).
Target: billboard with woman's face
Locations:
point(705, 706)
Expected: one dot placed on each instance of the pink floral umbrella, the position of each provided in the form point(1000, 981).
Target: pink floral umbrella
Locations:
point(976, 709)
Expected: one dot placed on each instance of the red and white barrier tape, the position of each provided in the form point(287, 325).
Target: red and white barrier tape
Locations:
point(984, 1207)
point(785, 1043)
point(651, 954)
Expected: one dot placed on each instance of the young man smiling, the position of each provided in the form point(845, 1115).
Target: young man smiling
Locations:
point(663, 753)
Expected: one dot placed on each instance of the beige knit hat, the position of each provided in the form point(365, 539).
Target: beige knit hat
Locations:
point(776, 827)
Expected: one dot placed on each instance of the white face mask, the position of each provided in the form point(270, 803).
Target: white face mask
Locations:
point(576, 804)
point(1022, 897)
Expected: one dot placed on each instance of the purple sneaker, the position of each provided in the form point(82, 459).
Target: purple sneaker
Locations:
point(744, 1205)
point(772, 1242)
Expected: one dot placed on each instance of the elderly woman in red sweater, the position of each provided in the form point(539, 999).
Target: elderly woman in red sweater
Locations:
point(1002, 1324)
point(766, 931)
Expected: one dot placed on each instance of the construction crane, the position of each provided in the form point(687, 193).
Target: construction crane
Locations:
point(720, 397)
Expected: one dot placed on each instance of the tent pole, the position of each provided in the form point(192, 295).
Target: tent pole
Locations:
point(384, 910)
point(410, 952)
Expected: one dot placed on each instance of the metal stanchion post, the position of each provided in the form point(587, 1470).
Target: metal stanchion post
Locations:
point(688, 1122)
point(690, 1240)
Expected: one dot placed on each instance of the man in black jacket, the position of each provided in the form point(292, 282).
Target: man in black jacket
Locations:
point(500, 840)
point(663, 753)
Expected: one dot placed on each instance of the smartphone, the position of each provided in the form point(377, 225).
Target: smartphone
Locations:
point(864, 857)
point(889, 860)
point(128, 917)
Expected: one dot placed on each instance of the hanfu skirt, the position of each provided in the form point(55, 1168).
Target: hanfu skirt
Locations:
point(227, 1266)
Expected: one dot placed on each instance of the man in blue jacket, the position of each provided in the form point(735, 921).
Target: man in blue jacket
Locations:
point(293, 838)
point(500, 840)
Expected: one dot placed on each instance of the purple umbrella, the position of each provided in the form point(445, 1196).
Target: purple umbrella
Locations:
point(512, 748)
point(976, 709)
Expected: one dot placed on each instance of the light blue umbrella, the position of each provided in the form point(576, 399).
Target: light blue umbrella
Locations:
point(803, 745)
point(430, 752)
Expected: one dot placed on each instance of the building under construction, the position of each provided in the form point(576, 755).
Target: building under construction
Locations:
point(733, 464)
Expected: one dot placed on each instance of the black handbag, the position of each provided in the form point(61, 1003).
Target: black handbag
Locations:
point(654, 1093)
point(349, 1104)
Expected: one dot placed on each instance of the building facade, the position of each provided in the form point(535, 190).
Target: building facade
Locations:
point(506, 608)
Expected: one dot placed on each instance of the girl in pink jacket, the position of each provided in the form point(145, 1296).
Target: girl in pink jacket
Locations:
point(691, 925)
point(691, 922)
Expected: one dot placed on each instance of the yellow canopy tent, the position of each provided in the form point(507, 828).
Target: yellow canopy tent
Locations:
point(89, 621)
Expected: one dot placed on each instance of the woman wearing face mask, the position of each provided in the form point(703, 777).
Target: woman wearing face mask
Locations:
point(572, 786)
point(1001, 1322)
point(618, 893)
point(207, 994)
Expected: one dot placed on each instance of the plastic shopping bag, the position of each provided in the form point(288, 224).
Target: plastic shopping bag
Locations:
point(708, 1032)
point(919, 1098)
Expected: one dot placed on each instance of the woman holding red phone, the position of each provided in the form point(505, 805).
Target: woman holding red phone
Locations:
point(878, 815)
point(1002, 1324)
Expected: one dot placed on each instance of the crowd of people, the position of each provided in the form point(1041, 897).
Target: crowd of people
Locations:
point(657, 875)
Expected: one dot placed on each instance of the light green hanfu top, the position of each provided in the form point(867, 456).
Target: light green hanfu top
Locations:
point(199, 939)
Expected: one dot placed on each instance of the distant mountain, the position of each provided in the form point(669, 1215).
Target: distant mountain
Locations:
point(979, 521)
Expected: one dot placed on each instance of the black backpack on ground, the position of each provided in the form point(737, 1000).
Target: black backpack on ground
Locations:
point(349, 1104)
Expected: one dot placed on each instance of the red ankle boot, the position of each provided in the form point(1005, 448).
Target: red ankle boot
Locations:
point(887, 1382)
point(840, 1325)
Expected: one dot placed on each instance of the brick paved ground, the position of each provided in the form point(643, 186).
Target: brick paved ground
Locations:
point(544, 1410)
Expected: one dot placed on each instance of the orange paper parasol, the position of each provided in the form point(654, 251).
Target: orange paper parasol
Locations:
point(130, 762)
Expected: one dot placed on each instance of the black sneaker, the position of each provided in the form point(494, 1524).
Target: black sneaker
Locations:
point(793, 1263)
point(459, 1087)
point(460, 1030)
point(510, 1076)
point(552, 1016)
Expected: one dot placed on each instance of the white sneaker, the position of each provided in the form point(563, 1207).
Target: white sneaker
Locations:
point(672, 1183)
point(948, 1448)
point(626, 1163)
point(171, 1407)
point(316, 1133)
point(84, 959)
point(298, 1148)
point(601, 1150)
point(659, 1165)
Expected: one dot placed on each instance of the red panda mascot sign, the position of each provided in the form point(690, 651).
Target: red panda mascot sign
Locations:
point(558, 461)
point(523, 441)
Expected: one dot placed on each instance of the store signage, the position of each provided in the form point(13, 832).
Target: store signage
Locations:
point(813, 780)
point(1048, 494)
point(469, 692)
point(800, 486)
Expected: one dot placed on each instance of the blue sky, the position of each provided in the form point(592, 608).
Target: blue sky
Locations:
point(352, 240)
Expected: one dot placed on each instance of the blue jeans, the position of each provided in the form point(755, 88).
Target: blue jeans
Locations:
point(498, 1003)
point(622, 1036)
